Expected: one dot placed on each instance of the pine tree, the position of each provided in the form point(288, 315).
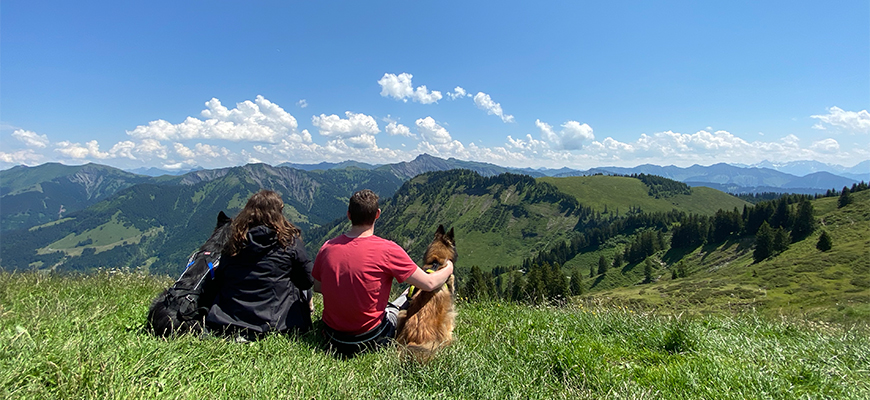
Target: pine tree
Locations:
point(845, 198)
point(804, 223)
point(577, 287)
point(825, 242)
point(679, 270)
point(557, 284)
point(781, 240)
point(518, 284)
point(592, 270)
point(535, 287)
point(763, 243)
point(477, 286)
point(602, 266)
point(618, 260)
point(781, 214)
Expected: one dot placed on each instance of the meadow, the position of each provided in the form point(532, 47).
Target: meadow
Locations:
point(80, 336)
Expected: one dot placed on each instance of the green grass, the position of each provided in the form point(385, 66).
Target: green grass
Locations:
point(104, 237)
point(617, 192)
point(80, 337)
point(802, 281)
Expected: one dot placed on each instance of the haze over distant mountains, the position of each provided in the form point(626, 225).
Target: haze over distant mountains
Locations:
point(858, 172)
point(808, 177)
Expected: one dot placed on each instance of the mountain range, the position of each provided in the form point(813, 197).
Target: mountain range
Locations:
point(30, 196)
point(860, 171)
point(806, 177)
point(156, 221)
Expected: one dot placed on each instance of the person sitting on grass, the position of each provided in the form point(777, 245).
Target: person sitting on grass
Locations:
point(264, 274)
point(355, 272)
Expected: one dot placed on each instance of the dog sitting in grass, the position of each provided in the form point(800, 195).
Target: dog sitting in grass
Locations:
point(427, 324)
point(182, 307)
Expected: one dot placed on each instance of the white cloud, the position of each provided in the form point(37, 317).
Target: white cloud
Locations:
point(828, 145)
point(353, 136)
point(184, 152)
point(26, 157)
point(304, 137)
point(152, 147)
point(354, 125)
point(302, 103)
point(484, 102)
point(436, 140)
point(571, 137)
point(854, 122)
point(611, 144)
point(124, 149)
point(90, 149)
point(293, 151)
point(547, 132)
point(432, 132)
point(362, 142)
point(396, 86)
point(143, 150)
point(671, 144)
point(30, 138)
point(259, 121)
point(529, 144)
point(574, 134)
point(173, 166)
point(453, 148)
point(395, 128)
point(668, 148)
point(457, 93)
point(400, 88)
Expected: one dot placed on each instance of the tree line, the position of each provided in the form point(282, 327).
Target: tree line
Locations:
point(775, 224)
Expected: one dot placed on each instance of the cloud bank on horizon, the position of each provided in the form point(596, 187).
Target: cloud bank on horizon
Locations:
point(262, 131)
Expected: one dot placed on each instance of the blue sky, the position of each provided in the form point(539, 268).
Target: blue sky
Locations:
point(176, 85)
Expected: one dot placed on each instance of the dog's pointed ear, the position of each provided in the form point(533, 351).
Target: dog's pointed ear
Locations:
point(440, 231)
point(222, 219)
point(450, 234)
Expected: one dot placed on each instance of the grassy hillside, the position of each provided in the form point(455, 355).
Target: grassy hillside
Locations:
point(620, 193)
point(498, 220)
point(833, 285)
point(80, 337)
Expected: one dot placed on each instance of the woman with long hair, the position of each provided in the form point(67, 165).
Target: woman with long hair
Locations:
point(265, 274)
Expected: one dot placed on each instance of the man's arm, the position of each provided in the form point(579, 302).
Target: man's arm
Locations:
point(424, 281)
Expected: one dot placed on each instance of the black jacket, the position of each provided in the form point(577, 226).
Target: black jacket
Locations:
point(260, 289)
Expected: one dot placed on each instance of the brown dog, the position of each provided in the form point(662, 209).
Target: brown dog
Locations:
point(427, 324)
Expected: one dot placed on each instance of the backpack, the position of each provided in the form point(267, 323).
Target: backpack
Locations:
point(182, 307)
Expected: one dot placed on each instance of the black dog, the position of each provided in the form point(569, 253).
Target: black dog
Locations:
point(182, 308)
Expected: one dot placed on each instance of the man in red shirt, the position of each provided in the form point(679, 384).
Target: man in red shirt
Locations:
point(355, 273)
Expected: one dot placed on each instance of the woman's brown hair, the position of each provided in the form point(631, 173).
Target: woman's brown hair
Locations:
point(263, 208)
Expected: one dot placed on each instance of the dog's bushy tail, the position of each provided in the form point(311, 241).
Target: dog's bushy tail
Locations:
point(422, 353)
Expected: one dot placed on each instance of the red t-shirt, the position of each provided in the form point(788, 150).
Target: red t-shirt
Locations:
point(356, 275)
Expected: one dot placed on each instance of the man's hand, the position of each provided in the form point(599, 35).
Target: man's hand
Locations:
point(429, 282)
